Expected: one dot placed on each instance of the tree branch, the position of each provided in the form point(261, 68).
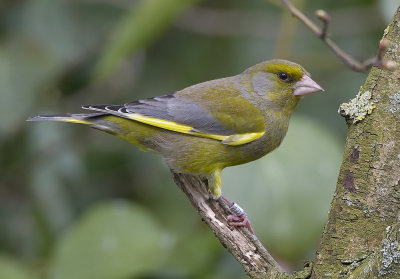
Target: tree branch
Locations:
point(244, 246)
point(361, 238)
point(346, 58)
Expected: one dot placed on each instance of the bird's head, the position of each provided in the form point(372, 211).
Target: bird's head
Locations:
point(281, 83)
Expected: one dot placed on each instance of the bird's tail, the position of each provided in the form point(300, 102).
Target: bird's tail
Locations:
point(94, 120)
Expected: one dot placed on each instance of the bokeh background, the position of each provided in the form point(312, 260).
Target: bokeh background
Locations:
point(78, 203)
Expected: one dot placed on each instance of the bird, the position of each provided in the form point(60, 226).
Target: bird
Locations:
point(209, 126)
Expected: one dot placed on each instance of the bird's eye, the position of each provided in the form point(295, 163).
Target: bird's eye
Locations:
point(283, 76)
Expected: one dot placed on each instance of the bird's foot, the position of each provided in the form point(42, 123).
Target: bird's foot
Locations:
point(239, 217)
point(240, 221)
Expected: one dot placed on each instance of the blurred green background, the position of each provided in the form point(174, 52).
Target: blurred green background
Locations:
point(78, 203)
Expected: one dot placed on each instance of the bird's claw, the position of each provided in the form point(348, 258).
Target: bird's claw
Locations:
point(238, 218)
point(240, 221)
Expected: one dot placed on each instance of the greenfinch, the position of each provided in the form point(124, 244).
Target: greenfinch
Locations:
point(207, 127)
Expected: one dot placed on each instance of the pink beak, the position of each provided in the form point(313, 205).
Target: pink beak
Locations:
point(306, 86)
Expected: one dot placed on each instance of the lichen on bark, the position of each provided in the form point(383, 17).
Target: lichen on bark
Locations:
point(359, 107)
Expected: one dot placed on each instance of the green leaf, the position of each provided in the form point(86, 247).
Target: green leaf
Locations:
point(287, 193)
point(12, 269)
point(143, 23)
point(112, 240)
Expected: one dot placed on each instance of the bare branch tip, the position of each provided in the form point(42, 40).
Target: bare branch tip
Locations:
point(325, 18)
point(322, 15)
point(384, 44)
point(379, 60)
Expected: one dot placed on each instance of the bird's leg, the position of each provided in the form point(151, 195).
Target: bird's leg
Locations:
point(239, 217)
point(214, 184)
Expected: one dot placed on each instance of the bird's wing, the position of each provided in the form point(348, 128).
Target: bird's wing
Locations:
point(175, 113)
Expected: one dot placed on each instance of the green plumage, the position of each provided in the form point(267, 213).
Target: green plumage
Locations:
point(208, 126)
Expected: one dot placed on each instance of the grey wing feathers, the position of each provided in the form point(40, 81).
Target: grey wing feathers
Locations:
point(171, 108)
point(158, 107)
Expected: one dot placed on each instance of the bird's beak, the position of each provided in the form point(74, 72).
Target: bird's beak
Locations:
point(306, 86)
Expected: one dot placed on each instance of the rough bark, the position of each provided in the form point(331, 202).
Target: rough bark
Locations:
point(362, 236)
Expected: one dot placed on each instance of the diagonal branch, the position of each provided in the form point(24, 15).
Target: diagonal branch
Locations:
point(244, 246)
point(346, 58)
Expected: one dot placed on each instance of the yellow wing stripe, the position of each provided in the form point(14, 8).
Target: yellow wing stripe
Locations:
point(236, 139)
point(73, 120)
point(239, 139)
point(161, 123)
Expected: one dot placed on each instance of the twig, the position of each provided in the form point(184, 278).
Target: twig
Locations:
point(244, 246)
point(346, 58)
point(324, 17)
